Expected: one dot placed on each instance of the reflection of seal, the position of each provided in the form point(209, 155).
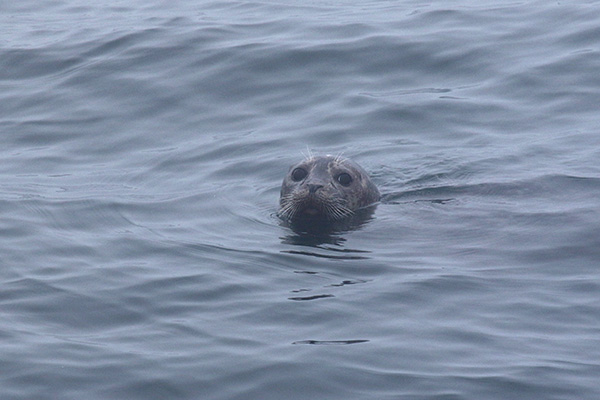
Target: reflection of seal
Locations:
point(325, 188)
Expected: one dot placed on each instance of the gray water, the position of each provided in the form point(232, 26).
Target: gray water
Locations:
point(143, 144)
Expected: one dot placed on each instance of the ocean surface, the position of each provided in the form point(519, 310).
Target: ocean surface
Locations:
point(142, 148)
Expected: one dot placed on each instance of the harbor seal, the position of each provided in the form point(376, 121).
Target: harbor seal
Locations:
point(325, 189)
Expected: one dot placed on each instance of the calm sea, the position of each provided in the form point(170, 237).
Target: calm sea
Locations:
point(143, 144)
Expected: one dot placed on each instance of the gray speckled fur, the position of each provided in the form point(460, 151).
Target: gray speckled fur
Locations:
point(333, 200)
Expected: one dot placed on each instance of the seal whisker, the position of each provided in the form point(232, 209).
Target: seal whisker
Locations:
point(289, 210)
point(308, 154)
point(339, 157)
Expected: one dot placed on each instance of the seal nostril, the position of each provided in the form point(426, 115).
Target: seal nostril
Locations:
point(313, 188)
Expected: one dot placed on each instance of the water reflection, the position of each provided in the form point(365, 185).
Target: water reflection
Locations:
point(325, 240)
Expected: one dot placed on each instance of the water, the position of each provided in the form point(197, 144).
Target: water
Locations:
point(143, 145)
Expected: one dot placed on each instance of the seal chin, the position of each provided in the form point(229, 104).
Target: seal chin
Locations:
point(300, 208)
point(321, 225)
point(312, 206)
point(310, 211)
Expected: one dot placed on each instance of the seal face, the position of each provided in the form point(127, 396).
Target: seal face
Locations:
point(326, 189)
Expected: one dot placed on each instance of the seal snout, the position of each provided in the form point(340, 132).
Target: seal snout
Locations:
point(313, 187)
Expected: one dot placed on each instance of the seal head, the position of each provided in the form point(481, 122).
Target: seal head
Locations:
point(325, 189)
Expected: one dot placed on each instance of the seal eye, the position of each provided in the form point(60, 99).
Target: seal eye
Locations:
point(344, 178)
point(298, 174)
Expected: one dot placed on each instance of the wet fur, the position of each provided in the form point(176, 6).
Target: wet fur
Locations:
point(332, 202)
